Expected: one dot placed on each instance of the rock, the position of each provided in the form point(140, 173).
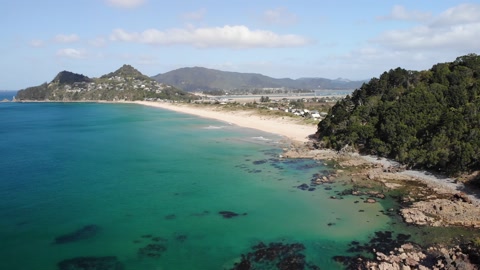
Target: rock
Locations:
point(370, 200)
point(303, 187)
point(461, 197)
point(442, 212)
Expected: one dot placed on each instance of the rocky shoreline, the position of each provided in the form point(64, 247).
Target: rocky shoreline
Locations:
point(425, 201)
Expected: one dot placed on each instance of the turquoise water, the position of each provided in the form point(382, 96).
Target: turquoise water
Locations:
point(144, 176)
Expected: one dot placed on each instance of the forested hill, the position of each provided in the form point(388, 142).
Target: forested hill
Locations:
point(201, 79)
point(126, 83)
point(425, 119)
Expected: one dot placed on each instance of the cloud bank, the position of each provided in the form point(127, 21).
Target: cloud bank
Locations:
point(236, 37)
point(457, 28)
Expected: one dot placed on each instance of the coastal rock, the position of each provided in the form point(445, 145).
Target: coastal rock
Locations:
point(442, 212)
point(410, 256)
point(303, 187)
point(370, 200)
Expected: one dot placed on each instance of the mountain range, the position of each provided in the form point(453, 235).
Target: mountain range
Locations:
point(200, 78)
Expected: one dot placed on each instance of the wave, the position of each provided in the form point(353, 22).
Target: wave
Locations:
point(214, 127)
point(261, 138)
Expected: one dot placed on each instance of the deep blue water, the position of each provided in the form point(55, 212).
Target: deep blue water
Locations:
point(145, 178)
point(7, 95)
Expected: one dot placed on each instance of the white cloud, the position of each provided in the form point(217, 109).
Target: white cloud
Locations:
point(196, 15)
point(125, 3)
point(456, 29)
point(402, 14)
point(461, 14)
point(66, 38)
point(71, 53)
point(237, 37)
point(37, 43)
point(279, 16)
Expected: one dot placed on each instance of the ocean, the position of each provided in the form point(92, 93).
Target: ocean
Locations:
point(123, 186)
point(6, 94)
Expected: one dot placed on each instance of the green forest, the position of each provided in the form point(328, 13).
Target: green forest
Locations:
point(424, 119)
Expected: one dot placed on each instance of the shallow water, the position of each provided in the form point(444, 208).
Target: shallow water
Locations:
point(148, 176)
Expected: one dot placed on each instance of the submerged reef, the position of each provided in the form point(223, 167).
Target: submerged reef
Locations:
point(91, 263)
point(275, 256)
point(230, 214)
point(83, 233)
point(152, 250)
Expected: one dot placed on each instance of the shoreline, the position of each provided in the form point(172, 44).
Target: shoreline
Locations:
point(440, 192)
point(299, 134)
point(284, 127)
point(384, 171)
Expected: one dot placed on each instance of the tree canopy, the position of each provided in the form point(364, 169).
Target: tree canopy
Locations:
point(425, 119)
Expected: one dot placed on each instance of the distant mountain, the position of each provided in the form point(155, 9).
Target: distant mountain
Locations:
point(126, 83)
point(199, 78)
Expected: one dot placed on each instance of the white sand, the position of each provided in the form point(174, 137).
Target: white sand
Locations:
point(281, 126)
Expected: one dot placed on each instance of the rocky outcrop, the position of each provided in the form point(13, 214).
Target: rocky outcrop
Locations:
point(409, 257)
point(457, 211)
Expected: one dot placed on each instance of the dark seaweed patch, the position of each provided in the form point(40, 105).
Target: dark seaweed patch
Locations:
point(83, 233)
point(230, 214)
point(275, 256)
point(152, 251)
point(259, 162)
point(158, 239)
point(181, 237)
point(382, 241)
point(91, 263)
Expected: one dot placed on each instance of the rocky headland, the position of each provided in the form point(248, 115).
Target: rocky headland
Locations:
point(425, 201)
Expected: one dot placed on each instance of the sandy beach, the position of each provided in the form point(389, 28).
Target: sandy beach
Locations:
point(285, 127)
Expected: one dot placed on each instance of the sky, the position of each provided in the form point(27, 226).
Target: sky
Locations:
point(351, 39)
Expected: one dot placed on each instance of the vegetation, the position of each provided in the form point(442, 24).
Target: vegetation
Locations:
point(126, 83)
point(427, 119)
point(203, 79)
point(67, 77)
point(264, 99)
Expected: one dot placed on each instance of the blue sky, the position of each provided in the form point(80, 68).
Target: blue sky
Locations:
point(282, 38)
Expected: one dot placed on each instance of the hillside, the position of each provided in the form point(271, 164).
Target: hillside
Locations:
point(126, 83)
point(199, 78)
point(425, 119)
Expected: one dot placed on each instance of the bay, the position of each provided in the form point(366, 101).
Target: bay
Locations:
point(147, 177)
